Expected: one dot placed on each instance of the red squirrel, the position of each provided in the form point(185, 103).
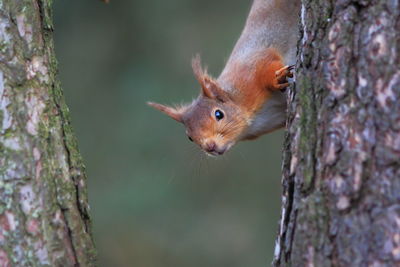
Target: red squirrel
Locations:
point(246, 100)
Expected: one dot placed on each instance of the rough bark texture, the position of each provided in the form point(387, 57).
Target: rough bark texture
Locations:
point(341, 181)
point(43, 203)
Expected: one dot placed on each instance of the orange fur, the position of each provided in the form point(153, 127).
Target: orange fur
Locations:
point(254, 82)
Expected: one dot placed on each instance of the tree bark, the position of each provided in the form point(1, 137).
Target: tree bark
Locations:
point(341, 175)
point(44, 216)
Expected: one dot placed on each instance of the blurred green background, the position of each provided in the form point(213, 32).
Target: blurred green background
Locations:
point(156, 200)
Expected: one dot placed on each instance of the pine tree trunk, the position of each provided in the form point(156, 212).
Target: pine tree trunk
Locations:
point(341, 175)
point(43, 203)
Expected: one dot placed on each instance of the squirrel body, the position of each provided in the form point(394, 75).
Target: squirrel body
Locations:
point(245, 101)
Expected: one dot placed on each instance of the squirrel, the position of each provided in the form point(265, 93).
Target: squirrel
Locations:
point(247, 99)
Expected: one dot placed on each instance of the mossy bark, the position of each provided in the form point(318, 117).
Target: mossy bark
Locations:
point(341, 169)
point(44, 218)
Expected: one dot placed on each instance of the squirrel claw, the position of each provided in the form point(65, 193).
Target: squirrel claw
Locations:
point(281, 86)
point(281, 76)
point(284, 72)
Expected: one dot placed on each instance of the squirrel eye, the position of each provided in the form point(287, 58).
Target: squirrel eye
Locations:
point(219, 115)
point(190, 138)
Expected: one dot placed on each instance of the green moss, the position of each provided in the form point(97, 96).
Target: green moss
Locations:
point(3, 47)
point(307, 130)
point(313, 225)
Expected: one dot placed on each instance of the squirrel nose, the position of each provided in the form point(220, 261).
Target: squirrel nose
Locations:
point(210, 147)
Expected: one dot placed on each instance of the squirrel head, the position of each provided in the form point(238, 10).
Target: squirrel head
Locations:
point(213, 121)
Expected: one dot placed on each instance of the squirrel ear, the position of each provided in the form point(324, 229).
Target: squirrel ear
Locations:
point(209, 86)
point(211, 89)
point(170, 111)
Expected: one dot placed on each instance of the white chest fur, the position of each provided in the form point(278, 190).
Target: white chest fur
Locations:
point(271, 116)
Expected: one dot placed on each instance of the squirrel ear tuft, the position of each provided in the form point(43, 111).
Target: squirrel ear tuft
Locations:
point(170, 111)
point(197, 69)
point(209, 86)
point(211, 89)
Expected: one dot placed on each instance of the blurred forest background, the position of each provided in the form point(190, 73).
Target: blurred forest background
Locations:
point(156, 200)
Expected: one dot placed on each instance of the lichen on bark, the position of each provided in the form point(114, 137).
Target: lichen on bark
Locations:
point(341, 169)
point(44, 216)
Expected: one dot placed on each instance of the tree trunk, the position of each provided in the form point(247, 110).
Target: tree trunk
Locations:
point(341, 175)
point(43, 203)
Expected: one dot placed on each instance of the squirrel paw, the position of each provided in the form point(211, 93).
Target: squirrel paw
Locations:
point(281, 77)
